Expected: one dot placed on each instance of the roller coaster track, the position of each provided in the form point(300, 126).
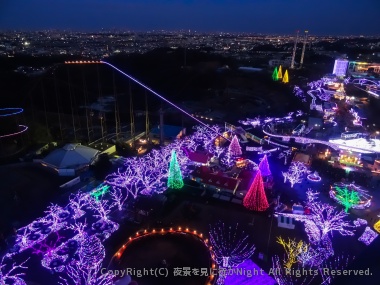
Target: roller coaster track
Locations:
point(146, 88)
point(365, 82)
point(304, 140)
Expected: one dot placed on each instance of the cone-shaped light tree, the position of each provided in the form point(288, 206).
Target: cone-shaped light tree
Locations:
point(279, 73)
point(175, 180)
point(234, 147)
point(275, 74)
point(264, 166)
point(92, 252)
point(285, 79)
point(256, 199)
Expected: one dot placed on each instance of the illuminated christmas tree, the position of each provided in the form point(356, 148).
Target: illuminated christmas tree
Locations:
point(234, 148)
point(175, 180)
point(285, 79)
point(279, 73)
point(264, 166)
point(256, 199)
point(347, 197)
point(275, 74)
point(92, 252)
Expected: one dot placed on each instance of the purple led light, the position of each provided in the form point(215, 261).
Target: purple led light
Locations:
point(368, 236)
point(323, 220)
point(8, 272)
point(248, 272)
point(314, 177)
point(155, 93)
point(14, 134)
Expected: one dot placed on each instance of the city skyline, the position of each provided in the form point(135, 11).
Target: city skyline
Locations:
point(266, 17)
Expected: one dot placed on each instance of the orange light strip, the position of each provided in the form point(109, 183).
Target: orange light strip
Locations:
point(145, 232)
point(83, 62)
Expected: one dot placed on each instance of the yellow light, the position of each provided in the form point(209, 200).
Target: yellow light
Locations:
point(130, 238)
point(153, 231)
point(171, 229)
point(162, 230)
point(179, 228)
point(145, 231)
point(195, 232)
point(137, 233)
point(376, 226)
point(187, 229)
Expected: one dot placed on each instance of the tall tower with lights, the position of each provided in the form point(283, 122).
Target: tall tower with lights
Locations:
point(303, 48)
point(294, 50)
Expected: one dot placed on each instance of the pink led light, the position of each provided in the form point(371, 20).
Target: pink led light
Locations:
point(15, 134)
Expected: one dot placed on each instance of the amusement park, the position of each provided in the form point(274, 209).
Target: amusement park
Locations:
point(252, 185)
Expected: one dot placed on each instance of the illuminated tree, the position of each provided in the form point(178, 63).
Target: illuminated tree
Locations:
point(347, 197)
point(264, 166)
point(286, 276)
point(76, 275)
point(285, 154)
point(9, 274)
point(295, 173)
point(100, 191)
point(293, 250)
point(275, 74)
point(322, 221)
point(205, 137)
point(329, 220)
point(279, 73)
point(234, 147)
point(175, 176)
point(256, 199)
point(285, 79)
point(92, 252)
point(231, 247)
point(338, 263)
point(78, 202)
point(119, 197)
point(227, 160)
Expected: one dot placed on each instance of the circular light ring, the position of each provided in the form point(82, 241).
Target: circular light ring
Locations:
point(313, 177)
point(23, 129)
point(6, 112)
point(365, 198)
point(143, 233)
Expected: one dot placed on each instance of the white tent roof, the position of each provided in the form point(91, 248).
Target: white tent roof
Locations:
point(70, 156)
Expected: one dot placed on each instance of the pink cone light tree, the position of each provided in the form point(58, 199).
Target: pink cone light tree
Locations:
point(256, 199)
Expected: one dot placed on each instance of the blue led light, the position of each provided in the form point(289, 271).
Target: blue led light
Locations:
point(5, 112)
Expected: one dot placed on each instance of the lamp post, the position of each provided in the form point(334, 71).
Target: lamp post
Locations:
point(377, 133)
point(270, 232)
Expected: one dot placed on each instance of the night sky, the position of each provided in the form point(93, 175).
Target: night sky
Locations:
point(320, 17)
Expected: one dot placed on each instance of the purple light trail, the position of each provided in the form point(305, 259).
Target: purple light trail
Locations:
point(158, 95)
